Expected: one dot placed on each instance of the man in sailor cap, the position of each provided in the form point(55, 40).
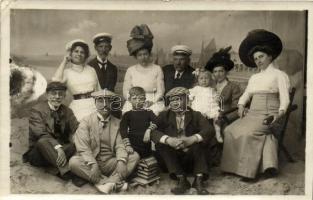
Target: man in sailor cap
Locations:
point(179, 74)
point(101, 155)
point(106, 71)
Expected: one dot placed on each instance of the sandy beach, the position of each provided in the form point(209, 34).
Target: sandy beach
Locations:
point(26, 179)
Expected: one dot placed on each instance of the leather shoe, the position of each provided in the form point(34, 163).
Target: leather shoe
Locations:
point(182, 186)
point(248, 180)
point(270, 173)
point(106, 188)
point(65, 177)
point(77, 181)
point(199, 186)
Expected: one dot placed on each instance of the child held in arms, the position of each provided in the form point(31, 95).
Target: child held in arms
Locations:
point(203, 99)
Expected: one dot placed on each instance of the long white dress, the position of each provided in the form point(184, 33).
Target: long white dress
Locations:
point(81, 82)
point(151, 79)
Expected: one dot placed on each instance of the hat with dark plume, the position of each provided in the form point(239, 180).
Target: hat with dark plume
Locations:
point(55, 85)
point(220, 58)
point(141, 39)
point(259, 40)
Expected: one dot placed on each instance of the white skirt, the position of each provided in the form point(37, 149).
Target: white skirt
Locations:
point(83, 107)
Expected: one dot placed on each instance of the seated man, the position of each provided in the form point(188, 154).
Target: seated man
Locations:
point(101, 155)
point(181, 139)
point(51, 126)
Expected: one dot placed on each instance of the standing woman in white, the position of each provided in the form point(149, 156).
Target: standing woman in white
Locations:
point(145, 74)
point(80, 78)
point(249, 145)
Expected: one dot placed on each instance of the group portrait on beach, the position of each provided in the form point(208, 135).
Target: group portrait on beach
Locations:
point(166, 117)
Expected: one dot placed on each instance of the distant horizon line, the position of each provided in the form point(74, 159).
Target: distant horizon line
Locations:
point(52, 54)
point(43, 54)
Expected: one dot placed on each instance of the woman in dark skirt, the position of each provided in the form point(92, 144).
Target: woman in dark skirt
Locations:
point(249, 146)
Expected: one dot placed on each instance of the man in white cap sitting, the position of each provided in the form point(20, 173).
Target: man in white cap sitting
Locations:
point(101, 155)
point(106, 71)
point(179, 74)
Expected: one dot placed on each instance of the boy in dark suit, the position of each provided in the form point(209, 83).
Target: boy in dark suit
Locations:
point(181, 139)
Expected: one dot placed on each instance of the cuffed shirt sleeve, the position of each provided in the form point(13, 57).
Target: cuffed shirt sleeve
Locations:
point(245, 97)
point(199, 138)
point(163, 139)
point(283, 87)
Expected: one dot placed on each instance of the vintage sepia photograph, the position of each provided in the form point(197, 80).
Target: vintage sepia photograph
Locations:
point(157, 102)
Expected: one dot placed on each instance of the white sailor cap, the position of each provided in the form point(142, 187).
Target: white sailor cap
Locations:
point(181, 49)
point(102, 37)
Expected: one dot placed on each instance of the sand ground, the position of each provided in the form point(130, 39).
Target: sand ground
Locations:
point(31, 180)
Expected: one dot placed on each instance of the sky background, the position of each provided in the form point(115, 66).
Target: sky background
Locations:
point(37, 32)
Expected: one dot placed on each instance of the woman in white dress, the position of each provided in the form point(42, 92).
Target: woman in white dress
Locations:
point(80, 78)
point(145, 74)
point(249, 145)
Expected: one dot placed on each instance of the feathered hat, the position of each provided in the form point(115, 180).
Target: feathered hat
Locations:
point(259, 40)
point(141, 38)
point(220, 58)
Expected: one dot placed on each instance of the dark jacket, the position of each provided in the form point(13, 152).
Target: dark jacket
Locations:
point(231, 94)
point(187, 79)
point(195, 123)
point(41, 124)
point(107, 77)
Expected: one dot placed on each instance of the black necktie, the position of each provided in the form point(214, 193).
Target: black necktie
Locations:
point(178, 75)
point(57, 123)
point(103, 64)
point(104, 123)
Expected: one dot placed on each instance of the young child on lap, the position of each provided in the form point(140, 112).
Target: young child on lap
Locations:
point(203, 99)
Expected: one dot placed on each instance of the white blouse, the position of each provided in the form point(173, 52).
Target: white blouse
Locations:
point(270, 80)
point(203, 99)
point(81, 82)
point(150, 78)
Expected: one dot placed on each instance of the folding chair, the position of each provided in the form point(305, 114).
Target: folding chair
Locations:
point(280, 132)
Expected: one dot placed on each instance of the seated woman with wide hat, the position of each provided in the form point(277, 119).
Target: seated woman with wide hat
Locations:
point(250, 147)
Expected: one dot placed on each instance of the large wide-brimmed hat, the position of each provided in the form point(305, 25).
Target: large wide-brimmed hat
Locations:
point(141, 39)
point(220, 58)
point(256, 40)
